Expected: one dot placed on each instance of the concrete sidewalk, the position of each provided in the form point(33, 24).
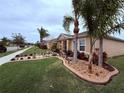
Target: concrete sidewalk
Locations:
point(7, 58)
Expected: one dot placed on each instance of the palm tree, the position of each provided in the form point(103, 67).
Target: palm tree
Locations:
point(78, 11)
point(43, 33)
point(66, 24)
point(85, 9)
point(108, 18)
point(100, 17)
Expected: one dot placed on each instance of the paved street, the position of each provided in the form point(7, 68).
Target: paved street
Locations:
point(7, 58)
point(12, 48)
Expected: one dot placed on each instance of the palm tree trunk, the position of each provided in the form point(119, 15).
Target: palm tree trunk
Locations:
point(75, 48)
point(90, 56)
point(41, 41)
point(76, 30)
point(100, 63)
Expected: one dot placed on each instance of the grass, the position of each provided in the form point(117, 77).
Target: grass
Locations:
point(33, 50)
point(50, 76)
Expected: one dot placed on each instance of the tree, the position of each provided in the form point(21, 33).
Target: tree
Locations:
point(66, 24)
point(18, 39)
point(101, 18)
point(5, 41)
point(109, 21)
point(85, 9)
point(43, 33)
point(69, 19)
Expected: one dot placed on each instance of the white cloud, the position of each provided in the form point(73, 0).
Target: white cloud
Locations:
point(25, 16)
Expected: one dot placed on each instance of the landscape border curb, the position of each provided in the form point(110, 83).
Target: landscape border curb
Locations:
point(100, 82)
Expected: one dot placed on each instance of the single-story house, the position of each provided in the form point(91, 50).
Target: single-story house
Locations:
point(113, 46)
point(51, 42)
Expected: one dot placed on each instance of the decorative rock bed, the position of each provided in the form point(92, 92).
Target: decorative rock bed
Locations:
point(32, 57)
point(98, 76)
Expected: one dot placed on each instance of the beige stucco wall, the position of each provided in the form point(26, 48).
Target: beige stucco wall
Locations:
point(87, 48)
point(112, 47)
point(49, 45)
point(58, 45)
point(69, 45)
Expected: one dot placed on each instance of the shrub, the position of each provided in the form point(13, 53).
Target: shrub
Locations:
point(37, 44)
point(69, 53)
point(29, 57)
point(43, 46)
point(13, 59)
point(95, 58)
point(54, 48)
point(21, 58)
point(17, 56)
point(82, 56)
point(105, 57)
point(2, 49)
point(25, 55)
point(30, 54)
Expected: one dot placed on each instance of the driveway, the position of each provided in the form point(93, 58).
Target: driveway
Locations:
point(7, 58)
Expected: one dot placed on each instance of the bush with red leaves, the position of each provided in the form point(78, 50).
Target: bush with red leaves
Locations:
point(95, 58)
point(82, 56)
point(43, 46)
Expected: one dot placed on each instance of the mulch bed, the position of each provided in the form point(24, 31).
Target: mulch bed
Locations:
point(97, 72)
point(99, 75)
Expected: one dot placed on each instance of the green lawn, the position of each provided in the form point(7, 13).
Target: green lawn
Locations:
point(50, 76)
point(33, 50)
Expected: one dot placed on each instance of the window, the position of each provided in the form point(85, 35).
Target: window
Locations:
point(82, 44)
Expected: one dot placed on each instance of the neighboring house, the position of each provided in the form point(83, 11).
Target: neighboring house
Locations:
point(113, 46)
point(51, 42)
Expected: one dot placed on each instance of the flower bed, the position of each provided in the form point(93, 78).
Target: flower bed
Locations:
point(98, 76)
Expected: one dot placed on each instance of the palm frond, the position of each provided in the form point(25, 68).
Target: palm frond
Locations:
point(67, 22)
point(77, 4)
point(43, 32)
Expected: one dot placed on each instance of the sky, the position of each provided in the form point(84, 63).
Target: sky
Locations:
point(25, 16)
